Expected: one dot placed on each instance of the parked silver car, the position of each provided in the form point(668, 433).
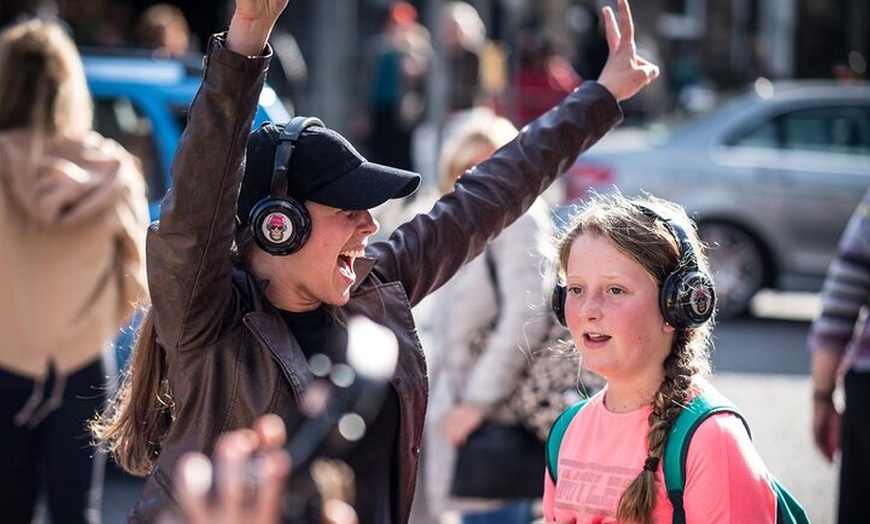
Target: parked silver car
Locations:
point(771, 177)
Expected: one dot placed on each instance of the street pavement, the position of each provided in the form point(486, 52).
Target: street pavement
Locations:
point(760, 363)
point(778, 409)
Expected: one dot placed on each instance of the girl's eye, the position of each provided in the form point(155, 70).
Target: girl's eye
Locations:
point(575, 290)
point(616, 291)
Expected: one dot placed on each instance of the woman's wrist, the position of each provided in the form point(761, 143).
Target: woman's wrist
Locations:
point(249, 37)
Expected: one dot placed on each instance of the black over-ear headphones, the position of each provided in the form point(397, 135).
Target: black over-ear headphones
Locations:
point(281, 225)
point(687, 298)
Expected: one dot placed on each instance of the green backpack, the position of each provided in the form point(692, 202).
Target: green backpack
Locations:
point(788, 509)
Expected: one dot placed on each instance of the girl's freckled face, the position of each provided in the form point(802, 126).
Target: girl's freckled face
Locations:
point(612, 311)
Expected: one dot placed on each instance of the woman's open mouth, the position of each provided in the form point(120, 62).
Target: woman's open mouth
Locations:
point(345, 261)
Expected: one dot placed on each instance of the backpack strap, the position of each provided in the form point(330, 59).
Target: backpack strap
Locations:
point(554, 439)
point(788, 509)
point(690, 418)
point(708, 403)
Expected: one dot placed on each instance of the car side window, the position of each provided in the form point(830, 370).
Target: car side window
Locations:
point(832, 129)
point(121, 120)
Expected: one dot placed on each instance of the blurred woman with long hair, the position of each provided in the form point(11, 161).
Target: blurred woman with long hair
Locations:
point(73, 215)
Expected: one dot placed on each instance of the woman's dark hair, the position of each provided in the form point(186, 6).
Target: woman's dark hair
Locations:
point(138, 416)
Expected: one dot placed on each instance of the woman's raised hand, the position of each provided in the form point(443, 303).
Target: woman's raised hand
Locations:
point(625, 73)
point(260, 9)
point(252, 23)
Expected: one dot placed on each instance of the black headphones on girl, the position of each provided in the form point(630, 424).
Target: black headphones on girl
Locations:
point(280, 224)
point(687, 297)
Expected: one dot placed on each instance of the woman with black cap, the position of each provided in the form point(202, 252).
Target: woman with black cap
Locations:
point(237, 315)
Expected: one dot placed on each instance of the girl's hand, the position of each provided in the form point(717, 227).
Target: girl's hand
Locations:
point(625, 73)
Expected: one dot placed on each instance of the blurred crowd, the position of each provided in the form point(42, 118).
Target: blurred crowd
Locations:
point(416, 81)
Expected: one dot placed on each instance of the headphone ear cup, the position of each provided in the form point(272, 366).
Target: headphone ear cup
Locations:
point(687, 299)
point(557, 304)
point(280, 226)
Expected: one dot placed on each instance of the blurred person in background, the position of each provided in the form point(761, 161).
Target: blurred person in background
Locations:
point(463, 36)
point(163, 28)
point(482, 317)
point(542, 77)
point(469, 73)
point(839, 342)
point(397, 65)
point(73, 215)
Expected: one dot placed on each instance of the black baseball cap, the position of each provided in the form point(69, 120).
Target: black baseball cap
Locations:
point(323, 168)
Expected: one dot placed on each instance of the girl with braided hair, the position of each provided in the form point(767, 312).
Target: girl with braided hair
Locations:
point(637, 299)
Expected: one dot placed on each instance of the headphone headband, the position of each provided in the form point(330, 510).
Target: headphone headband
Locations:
point(286, 144)
point(688, 260)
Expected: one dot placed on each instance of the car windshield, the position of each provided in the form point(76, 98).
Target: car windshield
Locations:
point(680, 124)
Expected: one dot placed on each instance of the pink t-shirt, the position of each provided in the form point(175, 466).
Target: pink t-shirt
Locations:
point(603, 452)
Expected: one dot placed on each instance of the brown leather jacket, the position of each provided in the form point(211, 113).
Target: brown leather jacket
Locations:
point(231, 357)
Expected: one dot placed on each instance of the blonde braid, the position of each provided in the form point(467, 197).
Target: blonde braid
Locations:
point(638, 501)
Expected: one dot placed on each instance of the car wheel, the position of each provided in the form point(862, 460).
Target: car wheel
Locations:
point(737, 264)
